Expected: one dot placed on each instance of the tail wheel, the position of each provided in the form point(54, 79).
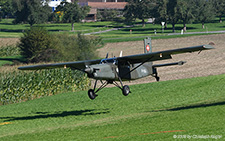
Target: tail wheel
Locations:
point(126, 90)
point(91, 94)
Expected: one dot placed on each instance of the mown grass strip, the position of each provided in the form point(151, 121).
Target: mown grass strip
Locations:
point(195, 105)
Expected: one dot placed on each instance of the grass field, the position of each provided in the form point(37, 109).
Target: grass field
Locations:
point(8, 29)
point(178, 109)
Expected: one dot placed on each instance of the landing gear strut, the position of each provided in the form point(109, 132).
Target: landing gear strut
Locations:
point(156, 74)
point(92, 92)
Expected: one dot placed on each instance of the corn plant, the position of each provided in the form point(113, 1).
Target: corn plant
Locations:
point(9, 50)
point(18, 86)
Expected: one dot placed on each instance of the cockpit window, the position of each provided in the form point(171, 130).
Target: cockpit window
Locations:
point(110, 60)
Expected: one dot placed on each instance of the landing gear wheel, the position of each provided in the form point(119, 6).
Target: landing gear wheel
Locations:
point(126, 90)
point(157, 78)
point(91, 94)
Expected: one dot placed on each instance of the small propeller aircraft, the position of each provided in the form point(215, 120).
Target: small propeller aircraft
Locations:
point(123, 68)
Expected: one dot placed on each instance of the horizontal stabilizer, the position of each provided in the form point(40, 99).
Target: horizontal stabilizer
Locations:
point(169, 64)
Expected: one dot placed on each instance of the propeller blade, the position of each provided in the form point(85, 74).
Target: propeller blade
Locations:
point(121, 53)
point(107, 55)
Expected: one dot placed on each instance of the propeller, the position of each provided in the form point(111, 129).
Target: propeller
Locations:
point(121, 53)
point(107, 55)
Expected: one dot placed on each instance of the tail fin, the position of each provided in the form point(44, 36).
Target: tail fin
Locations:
point(147, 45)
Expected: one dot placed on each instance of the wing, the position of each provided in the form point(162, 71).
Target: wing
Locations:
point(79, 65)
point(140, 58)
point(161, 55)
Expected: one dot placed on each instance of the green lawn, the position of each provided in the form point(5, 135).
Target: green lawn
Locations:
point(7, 29)
point(139, 32)
point(155, 111)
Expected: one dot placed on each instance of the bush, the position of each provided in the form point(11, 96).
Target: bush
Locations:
point(34, 44)
point(37, 45)
point(76, 47)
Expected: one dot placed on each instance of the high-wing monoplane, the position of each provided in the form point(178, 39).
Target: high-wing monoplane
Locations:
point(132, 67)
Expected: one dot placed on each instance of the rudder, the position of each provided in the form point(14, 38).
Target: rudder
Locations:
point(147, 45)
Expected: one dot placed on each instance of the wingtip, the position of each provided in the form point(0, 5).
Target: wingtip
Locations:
point(22, 68)
point(208, 47)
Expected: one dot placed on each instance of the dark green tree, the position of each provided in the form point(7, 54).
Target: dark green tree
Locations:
point(185, 11)
point(219, 6)
point(173, 12)
point(73, 12)
point(36, 44)
point(6, 8)
point(107, 14)
point(203, 11)
point(141, 9)
point(31, 11)
point(160, 11)
point(128, 11)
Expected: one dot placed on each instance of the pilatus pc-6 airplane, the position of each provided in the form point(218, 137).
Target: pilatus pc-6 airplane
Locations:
point(123, 68)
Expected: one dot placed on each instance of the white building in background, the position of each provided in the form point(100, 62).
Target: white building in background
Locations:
point(54, 3)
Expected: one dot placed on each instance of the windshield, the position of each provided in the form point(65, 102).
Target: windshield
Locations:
point(110, 60)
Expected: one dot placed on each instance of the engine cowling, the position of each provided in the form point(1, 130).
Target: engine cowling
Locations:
point(101, 71)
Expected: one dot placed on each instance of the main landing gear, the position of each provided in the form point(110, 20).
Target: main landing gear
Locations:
point(155, 74)
point(92, 92)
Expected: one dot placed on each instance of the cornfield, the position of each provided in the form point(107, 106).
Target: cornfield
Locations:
point(18, 86)
point(9, 50)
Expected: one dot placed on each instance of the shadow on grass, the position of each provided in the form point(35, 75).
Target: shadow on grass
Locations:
point(15, 60)
point(43, 115)
point(203, 105)
point(13, 30)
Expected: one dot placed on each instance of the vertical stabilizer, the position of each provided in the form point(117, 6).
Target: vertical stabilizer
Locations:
point(147, 45)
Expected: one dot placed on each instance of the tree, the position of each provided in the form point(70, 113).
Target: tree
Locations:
point(73, 12)
point(203, 11)
point(185, 10)
point(5, 8)
point(160, 11)
point(35, 44)
point(219, 8)
point(107, 14)
point(141, 9)
point(31, 11)
point(168, 12)
point(173, 12)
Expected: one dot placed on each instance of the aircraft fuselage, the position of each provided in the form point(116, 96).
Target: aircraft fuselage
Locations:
point(112, 71)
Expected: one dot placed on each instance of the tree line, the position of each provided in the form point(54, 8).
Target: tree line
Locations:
point(168, 11)
point(38, 11)
point(175, 11)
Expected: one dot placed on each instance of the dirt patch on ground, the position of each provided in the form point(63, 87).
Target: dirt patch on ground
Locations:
point(211, 62)
point(8, 41)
